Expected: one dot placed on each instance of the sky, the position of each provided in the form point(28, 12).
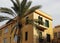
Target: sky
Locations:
point(51, 7)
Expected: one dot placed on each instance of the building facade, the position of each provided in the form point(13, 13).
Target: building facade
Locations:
point(56, 31)
point(5, 36)
point(37, 30)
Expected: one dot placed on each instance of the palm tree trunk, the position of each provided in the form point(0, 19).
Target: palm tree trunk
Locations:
point(19, 39)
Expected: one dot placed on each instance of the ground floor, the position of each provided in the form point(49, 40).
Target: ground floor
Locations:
point(30, 34)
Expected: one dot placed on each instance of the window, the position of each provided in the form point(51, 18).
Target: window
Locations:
point(10, 39)
point(6, 30)
point(48, 37)
point(4, 40)
point(15, 38)
point(0, 32)
point(46, 23)
point(58, 35)
point(40, 20)
point(40, 34)
point(27, 21)
point(40, 37)
point(55, 35)
point(26, 35)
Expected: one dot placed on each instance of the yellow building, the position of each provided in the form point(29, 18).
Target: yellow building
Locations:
point(39, 32)
point(5, 36)
point(56, 31)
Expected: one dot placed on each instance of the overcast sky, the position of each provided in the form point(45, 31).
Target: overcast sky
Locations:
point(51, 7)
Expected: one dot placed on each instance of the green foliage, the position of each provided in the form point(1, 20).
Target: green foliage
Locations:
point(21, 9)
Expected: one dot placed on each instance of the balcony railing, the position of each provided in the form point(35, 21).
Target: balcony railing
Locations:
point(40, 24)
point(41, 40)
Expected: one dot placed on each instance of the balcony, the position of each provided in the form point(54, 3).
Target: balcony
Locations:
point(40, 25)
point(41, 40)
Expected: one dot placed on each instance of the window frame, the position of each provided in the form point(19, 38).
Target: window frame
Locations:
point(40, 20)
point(55, 35)
point(6, 30)
point(15, 38)
point(48, 38)
point(27, 21)
point(0, 32)
point(26, 36)
point(58, 35)
point(47, 23)
point(5, 40)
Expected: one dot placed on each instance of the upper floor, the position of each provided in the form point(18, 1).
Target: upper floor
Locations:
point(42, 20)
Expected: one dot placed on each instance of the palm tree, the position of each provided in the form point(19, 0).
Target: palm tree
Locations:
point(21, 10)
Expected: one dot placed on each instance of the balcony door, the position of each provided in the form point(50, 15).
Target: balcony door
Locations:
point(48, 38)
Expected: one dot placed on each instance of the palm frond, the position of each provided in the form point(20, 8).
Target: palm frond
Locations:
point(13, 28)
point(15, 32)
point(15, 7)
point(16, 10)
point(31, 10)
point(27, 6)
point(23, 3)
point(9, 21)
point(18, 3)
point(4, 18)
point(14, 3)
point(7, 10)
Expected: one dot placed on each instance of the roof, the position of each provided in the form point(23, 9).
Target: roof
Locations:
point(57, 26)
point(43, 14)
point(7, 24)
